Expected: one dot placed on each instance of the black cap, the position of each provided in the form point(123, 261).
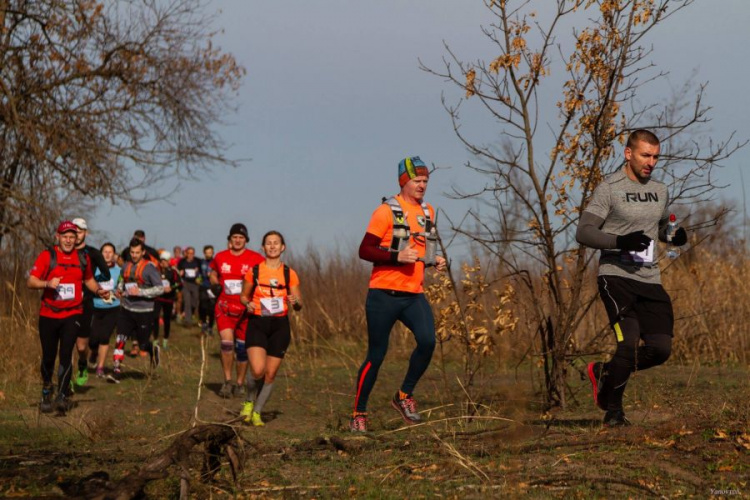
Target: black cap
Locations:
point(238, 228)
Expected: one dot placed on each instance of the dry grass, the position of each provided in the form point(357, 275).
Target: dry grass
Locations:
point(710, 288)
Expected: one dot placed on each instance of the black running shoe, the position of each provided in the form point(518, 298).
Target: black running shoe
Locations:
point(63, 403)
point(45, 405)
point(615, 418)
point(227, 389)
point(596, 377)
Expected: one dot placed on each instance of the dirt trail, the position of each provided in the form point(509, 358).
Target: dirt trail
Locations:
point(690, 435)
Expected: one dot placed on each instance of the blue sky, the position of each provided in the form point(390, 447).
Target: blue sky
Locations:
point(334, 98)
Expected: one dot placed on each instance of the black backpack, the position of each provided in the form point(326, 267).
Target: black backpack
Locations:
point(256, 272)
point(82, 260)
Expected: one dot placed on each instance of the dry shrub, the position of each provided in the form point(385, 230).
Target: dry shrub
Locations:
point(476, 316)
point(710, 291)
point(20, 350)
point(709, 285)
point(333, 288)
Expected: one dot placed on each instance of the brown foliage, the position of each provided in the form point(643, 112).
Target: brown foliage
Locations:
point(103, 100)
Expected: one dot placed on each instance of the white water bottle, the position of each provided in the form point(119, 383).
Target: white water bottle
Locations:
point(672, 251)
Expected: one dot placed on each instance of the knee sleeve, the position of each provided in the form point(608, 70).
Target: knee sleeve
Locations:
point(226, 346)
point(240, 351)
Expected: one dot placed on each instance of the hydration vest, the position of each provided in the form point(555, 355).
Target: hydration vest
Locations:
point(402, 232)
point(134, 272)
point(256, 273)
point(82, 261)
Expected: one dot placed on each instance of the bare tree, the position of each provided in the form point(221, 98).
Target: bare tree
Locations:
point(104, 100)
point(541, 173)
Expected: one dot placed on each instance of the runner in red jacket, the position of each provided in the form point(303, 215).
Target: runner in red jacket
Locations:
point(61, 272)
point(228, 269)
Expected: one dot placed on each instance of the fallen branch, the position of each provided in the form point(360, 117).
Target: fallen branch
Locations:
point(595, 479)
point(216, 438)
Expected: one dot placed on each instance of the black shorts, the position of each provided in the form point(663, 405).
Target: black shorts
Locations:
point(648, 303)
point(272, 333)
point(84, 331)
point(103, 325)
point(136, 325)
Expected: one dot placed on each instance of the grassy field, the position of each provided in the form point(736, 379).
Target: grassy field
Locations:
point(691, 433)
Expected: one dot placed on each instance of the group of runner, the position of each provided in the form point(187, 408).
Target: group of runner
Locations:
point(88, 293)
point(252, 294)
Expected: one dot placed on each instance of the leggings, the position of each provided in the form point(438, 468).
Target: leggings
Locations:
point(190, 300)
point(58, 335)
point(163, 309)
point(136, 326)
point(206, 308)
point(383, 308)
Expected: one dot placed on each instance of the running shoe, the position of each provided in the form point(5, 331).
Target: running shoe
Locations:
point(45, 405)
point(240, 391)
point(82, 377)
point(100, 373)
point(63, 403)
point(155, 356)
point(615, 418)
point(407, 408)
point(116, 375)
point(247, 411)
point(358, 423)
point(226, 389)
point(256, 420)
point(596, 377)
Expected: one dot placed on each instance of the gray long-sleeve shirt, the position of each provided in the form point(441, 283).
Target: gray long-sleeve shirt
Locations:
point(620, 206)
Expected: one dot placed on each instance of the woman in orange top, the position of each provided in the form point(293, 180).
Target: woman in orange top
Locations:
point(269, 289)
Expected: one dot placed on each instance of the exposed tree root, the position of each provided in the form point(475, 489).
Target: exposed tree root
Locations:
point(218, 439)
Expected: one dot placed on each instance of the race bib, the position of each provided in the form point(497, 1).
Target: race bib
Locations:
point(271, 306)
point(232, 287)
point(644, 257)
point(66, 291)
point(165, 283)
point(129, 287)
point(191, 273)
point(107, 286)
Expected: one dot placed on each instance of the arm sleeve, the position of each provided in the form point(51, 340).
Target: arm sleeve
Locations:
point(98, 261)
point(88, 273)
point(589, 232)
point(371, 249)
point(153, 286)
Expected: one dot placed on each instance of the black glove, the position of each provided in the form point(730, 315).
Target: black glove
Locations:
point(216, 290)
point(680, 237)
point(635, 241)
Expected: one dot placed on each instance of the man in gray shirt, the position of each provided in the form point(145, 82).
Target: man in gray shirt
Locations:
point(140, 282)
point(628, 211)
